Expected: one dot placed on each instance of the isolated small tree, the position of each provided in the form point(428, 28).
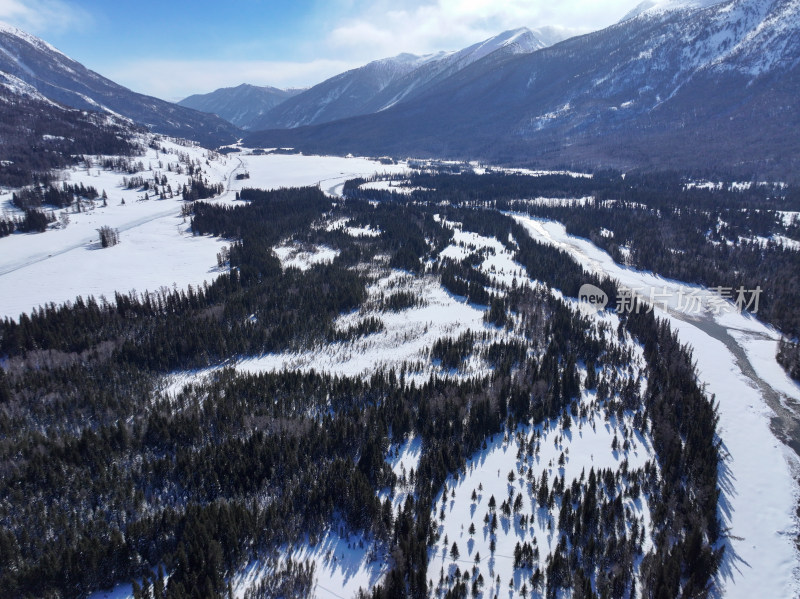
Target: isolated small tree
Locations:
point(223, 256)
point(454, 552)
point(108, 236)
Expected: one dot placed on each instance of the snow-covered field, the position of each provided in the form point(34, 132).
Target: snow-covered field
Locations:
point(760, 493)
point(155, 248)
point(272, 171)
point(408, 334)
point(303, 256)
point(391, 185)
point(498, 261)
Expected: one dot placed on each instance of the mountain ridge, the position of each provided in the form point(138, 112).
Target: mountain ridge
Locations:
point(60, 78)
point(380, 84)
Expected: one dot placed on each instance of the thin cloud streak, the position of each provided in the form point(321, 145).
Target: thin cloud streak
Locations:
point(42, 17)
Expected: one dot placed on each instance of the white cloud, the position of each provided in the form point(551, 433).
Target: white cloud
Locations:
point(384, 27)
point(175, 79)
point(44, 16)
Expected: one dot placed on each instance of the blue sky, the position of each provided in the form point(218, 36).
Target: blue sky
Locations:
point(173, 48)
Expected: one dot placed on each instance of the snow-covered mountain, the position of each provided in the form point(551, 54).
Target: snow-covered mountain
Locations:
point(341, 96)
point(59, 78)
point(240, 105)
point(509, 43)
point(389, 81)
point(685, 86)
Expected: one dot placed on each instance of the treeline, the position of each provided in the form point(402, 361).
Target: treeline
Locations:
point(199, 188)
point(684, 423)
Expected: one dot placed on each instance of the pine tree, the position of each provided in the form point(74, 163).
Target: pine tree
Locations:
point(454, 553)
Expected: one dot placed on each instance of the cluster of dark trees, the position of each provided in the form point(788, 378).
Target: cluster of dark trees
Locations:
point(37, 195)
point(122, 164)
point(789, 357)
point(108, 236)
point(462, 279)
point(199, 188)
point(104, 479)
point(32, 200)
point(34, 221)
point(451, 353)
point(399, 301)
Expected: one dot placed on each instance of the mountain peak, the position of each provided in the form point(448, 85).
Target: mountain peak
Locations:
point(660, 6)
point(8, 29)
point(518, 41)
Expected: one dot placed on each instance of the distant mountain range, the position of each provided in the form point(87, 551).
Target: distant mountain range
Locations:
point(64, 80)
point(382, 84)
point(242, 105)
point(692, 85)
point(371, 88)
